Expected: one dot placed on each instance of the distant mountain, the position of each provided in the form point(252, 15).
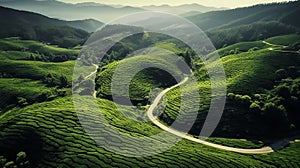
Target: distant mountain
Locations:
point(29, 25)
point(191, 13)
point(182, 8)
point(287, 13)
point(67, 11)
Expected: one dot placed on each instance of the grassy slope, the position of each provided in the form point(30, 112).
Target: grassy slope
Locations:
point(51, 135)
point(241, 47)
point(144, 81)
point(248, 73)
point(21, 77)
point(57, 139)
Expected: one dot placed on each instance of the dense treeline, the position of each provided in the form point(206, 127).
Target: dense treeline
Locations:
point(273, 113)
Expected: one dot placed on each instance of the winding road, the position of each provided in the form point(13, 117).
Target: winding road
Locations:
point(263, 150)
point(150, 115)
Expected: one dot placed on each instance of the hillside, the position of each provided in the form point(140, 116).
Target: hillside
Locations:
point(10, 16)
point(28, 25)
point(58, 110)
point(281, 12)
point(257, 73)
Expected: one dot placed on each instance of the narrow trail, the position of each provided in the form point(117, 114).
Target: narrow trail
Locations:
point(279, 48)
point(150, 115)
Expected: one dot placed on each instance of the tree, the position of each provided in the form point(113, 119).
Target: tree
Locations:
point(10, 164)
point(22, 102)
point(255, 107)
point(21, 160)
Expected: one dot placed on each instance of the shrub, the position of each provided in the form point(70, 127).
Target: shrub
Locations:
point(255, 106)
point(22, 102)
point(10, 164)
point(257, 96)
point(21, 160)
point(3, 160)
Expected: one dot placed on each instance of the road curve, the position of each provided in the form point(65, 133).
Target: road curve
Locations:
point(94, 72)
point(150, 115)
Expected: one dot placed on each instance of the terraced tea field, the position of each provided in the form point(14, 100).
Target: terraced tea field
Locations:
point(51, 136)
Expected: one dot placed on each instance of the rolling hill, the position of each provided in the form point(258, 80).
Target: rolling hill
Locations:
point(250, 23)
point(28, 25)
point(10, 16)
point(39, 122)
point(51, 135)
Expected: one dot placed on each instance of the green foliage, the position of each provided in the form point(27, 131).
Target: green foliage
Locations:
point(15, 91)
point(251, 82)
point(40, 28)
point(26, 82)
point(10, 164)
point(241, 47)
point(143, 82)
point(22, 101)
point(255, 106)
point(3, 161)
point(20, 162)
point(66, 140)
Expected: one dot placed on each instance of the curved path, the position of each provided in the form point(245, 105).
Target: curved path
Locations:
point(94, 72)
point(189, 137)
